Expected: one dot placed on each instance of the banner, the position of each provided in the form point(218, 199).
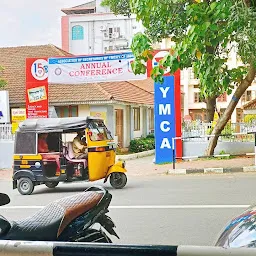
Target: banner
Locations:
point(164, 120)
point(4, 107)
point(37, 88)
point(18, 116)
point(92, 69)
point(98, 114)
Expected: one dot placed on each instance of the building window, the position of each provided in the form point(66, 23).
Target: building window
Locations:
point(151, 119)
point(77, 33)
point(222, 97)
point(136, 118)
point(67, 111)
point(248, 95)
point(114, 32)
point(197, 97)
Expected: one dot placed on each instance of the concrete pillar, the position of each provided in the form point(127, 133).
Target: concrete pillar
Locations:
point(111, 119)
point(185, 83)
point(132, 123)
point(145, 121)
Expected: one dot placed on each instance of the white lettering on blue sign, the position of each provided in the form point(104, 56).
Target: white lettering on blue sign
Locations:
point(165, 143)
point(164, 120)
point(164, 91)
point(163, 128)
point(165, 109)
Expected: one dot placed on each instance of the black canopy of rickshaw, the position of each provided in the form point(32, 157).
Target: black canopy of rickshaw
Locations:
point(47, 125)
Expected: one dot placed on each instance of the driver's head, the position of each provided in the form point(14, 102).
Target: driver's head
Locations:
point(81, 133)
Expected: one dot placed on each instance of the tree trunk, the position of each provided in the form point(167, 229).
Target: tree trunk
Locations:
point(210, 108)
point(229, 110)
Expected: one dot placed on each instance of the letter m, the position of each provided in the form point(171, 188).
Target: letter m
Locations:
point(165, 109)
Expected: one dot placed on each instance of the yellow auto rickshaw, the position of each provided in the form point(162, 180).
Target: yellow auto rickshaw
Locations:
point(59, 164)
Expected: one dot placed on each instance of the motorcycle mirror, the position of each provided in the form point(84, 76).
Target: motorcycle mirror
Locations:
point(4, 199)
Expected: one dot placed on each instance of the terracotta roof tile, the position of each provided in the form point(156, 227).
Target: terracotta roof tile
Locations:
point(250, 105)
point(13, 60)
point(147, 84)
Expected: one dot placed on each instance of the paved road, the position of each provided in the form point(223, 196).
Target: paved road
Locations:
point(159, 209)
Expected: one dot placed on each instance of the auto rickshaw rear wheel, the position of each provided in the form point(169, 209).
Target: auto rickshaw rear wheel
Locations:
point(118, 180)
point(25, 186)
point(51, 184)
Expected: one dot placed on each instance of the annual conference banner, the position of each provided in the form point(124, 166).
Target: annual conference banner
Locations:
point(92, 69)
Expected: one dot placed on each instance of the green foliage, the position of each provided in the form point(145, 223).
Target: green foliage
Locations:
point(205, 32)
point(150, 136)
point(250, 119)
point(142, 144)
point(118, 7)
point(3, 83)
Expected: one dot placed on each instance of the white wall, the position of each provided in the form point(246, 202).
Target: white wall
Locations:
point(94, 41)
point(83, 110)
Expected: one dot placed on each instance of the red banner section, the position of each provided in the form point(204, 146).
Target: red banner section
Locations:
point(37, 105)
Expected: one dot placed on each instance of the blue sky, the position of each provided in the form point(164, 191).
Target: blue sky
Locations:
point(32, 22)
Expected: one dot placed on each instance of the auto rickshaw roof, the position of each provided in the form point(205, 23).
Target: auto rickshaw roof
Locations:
point(46, 125)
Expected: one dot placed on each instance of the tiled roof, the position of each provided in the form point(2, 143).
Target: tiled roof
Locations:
point(13, 60)
point(147, 84)
point(250, 105)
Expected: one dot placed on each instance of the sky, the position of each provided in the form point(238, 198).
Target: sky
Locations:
point(32, 22)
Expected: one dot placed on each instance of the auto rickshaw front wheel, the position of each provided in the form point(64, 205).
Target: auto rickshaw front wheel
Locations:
point(25, 186)
point(118, 180)
point(51, 184)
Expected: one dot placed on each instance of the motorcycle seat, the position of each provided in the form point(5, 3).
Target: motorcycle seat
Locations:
point(48, 223)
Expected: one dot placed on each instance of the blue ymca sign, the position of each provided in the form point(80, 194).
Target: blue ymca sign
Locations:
point(164, 120)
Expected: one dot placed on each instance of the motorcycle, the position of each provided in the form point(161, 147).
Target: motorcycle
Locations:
point(70, 219)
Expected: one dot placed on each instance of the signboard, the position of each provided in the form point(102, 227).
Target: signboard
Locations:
point(18, 116)
point(164, 120)
point(37, 88)
point(172, 121)
point(92, 69)
point(98, 114)
point(4, 107)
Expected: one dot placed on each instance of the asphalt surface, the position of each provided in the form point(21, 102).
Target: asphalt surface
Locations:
point(157, 209)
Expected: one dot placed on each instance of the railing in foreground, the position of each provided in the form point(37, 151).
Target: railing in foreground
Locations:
point(26, 248)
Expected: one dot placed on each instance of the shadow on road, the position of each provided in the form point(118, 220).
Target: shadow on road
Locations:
point(42, 189)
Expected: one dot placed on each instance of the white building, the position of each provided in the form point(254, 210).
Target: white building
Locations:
point(92, 29)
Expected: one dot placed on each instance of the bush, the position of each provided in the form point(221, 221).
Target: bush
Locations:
point(250, 118)
point(150, 136)
point(142, 144)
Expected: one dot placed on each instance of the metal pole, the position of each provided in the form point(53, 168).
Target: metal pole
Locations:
point(255, 148)
point(173, 154)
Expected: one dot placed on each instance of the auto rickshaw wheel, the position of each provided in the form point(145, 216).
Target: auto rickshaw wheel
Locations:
point(25, 186)
point(51, 184)
point(118, 180)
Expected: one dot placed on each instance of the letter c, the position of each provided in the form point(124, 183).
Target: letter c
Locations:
point(165, 129)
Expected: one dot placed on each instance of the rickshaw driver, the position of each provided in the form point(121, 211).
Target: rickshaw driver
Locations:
point(79, 146)
point(44, 150)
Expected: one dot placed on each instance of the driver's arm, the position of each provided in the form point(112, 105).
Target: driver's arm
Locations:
point(78, 144)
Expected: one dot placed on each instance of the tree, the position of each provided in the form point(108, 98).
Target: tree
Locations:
point(205, 32)
point(2, 81)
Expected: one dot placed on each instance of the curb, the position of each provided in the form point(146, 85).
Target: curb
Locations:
point(214, 170)
point(135, 155)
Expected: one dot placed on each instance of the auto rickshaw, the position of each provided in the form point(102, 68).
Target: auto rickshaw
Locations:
point(32, 168)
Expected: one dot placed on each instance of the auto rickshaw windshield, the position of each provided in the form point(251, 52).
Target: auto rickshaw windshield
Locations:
point(98, 131)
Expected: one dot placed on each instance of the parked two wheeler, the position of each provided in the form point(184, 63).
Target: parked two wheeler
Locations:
point(69, 219)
